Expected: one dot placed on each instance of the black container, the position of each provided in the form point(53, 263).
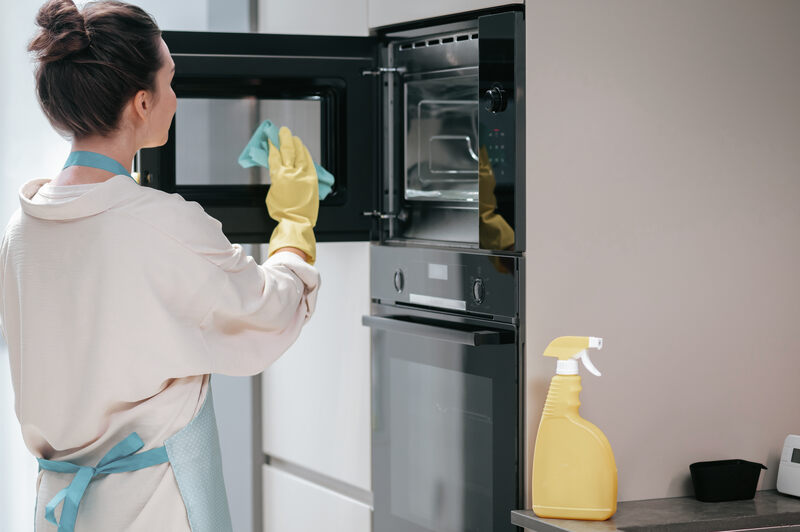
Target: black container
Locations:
point(725, 480)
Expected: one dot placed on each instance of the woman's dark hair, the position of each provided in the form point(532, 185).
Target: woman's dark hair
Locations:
point(91, 63)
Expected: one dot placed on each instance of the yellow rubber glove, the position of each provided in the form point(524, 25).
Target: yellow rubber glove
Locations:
point(293, 197)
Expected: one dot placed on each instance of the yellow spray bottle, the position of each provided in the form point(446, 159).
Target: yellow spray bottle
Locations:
point(574, 472)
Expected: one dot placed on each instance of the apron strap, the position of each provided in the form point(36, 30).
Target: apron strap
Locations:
point(96, 160)
point(119, 459)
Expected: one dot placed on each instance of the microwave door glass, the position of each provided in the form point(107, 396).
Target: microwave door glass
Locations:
point(441, 147)
point(212, 132)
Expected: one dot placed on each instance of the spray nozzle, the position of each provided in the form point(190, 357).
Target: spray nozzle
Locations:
point(569, 349)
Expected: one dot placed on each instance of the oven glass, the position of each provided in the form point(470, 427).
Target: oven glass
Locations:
point(441, 468)
point(441, 144)
point(211, 133)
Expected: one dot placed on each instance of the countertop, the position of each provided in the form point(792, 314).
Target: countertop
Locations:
point(681, 514)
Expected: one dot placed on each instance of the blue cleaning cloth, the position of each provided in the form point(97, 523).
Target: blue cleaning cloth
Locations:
point(256, 153)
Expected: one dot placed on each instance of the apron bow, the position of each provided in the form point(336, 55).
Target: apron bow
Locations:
point(119, 459)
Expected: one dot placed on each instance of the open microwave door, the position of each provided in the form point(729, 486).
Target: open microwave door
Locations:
point(227, 84)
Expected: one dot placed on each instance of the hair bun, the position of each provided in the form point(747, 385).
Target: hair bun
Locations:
point(62, 33)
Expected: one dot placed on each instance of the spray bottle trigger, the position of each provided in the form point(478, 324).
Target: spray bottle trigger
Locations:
point(584, 356)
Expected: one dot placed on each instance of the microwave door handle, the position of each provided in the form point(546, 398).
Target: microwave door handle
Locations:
point(445, 334)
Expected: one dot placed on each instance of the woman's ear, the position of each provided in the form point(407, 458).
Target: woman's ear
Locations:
point(142, 104)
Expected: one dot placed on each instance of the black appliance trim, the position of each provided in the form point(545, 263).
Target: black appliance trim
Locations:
point(385, 31)
point(473, 338)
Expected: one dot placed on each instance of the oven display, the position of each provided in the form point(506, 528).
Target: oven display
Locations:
point(437, 271)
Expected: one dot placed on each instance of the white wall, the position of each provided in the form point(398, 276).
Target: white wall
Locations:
point(29, 148)
point(663, 154)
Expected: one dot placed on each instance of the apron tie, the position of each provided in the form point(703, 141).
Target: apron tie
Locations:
point(119, 459)
point(96, 160)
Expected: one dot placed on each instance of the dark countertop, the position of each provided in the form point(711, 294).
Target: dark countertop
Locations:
point(680, 514)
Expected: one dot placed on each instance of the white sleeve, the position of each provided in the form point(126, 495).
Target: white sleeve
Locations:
point(248, 314)
point(258, 311)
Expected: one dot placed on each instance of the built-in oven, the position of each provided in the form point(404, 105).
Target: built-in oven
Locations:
point(447, 420)
point(422, 128)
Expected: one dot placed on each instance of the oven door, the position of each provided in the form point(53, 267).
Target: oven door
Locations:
point(227, 84)
point(445, 425)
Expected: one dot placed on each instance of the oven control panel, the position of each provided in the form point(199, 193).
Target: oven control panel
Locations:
point(449, 280)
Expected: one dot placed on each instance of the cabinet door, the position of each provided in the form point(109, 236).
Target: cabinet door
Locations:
point(390, 12)
point(228, 83)
point(316, 397)
point(292, 503)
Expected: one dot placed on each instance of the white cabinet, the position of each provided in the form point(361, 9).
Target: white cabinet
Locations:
point(387, 12)
point(293, 504)
point(316, 397)
point(313, 17)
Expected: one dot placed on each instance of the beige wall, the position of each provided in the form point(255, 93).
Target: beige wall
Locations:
point(663, 171)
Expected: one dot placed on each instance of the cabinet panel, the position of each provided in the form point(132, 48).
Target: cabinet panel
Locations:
point(291, 503)
point(316, 397)
point(388, 12)
point(313, 17)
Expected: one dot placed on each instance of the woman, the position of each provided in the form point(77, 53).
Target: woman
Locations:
point(118, 301)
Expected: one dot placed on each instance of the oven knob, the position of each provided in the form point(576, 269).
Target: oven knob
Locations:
point(398, 281)
point(494, 100)
point(478, 290)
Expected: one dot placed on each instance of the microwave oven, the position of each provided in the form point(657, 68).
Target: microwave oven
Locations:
point(408, 121)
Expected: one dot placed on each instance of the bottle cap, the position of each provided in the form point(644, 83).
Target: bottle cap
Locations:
point(568, 349)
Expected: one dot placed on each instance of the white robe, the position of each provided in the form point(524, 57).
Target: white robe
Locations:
point(117, 302)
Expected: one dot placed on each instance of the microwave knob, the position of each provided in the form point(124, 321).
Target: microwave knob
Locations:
point(494, 100)
point(478, 290)
point(399, 281)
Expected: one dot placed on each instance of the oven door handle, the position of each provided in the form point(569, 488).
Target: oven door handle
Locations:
point(445, 334)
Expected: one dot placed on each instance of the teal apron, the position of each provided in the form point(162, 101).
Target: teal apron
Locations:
point(194, 454)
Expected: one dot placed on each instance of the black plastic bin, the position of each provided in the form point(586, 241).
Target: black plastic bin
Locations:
point(725, 480)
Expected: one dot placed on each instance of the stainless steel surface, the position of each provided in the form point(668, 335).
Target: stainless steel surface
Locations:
point(383, 70)
point(440, 110)
point(437, 51)
point(500, 280)
point(442, 224)
point(430, 128)
point(441, 142)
